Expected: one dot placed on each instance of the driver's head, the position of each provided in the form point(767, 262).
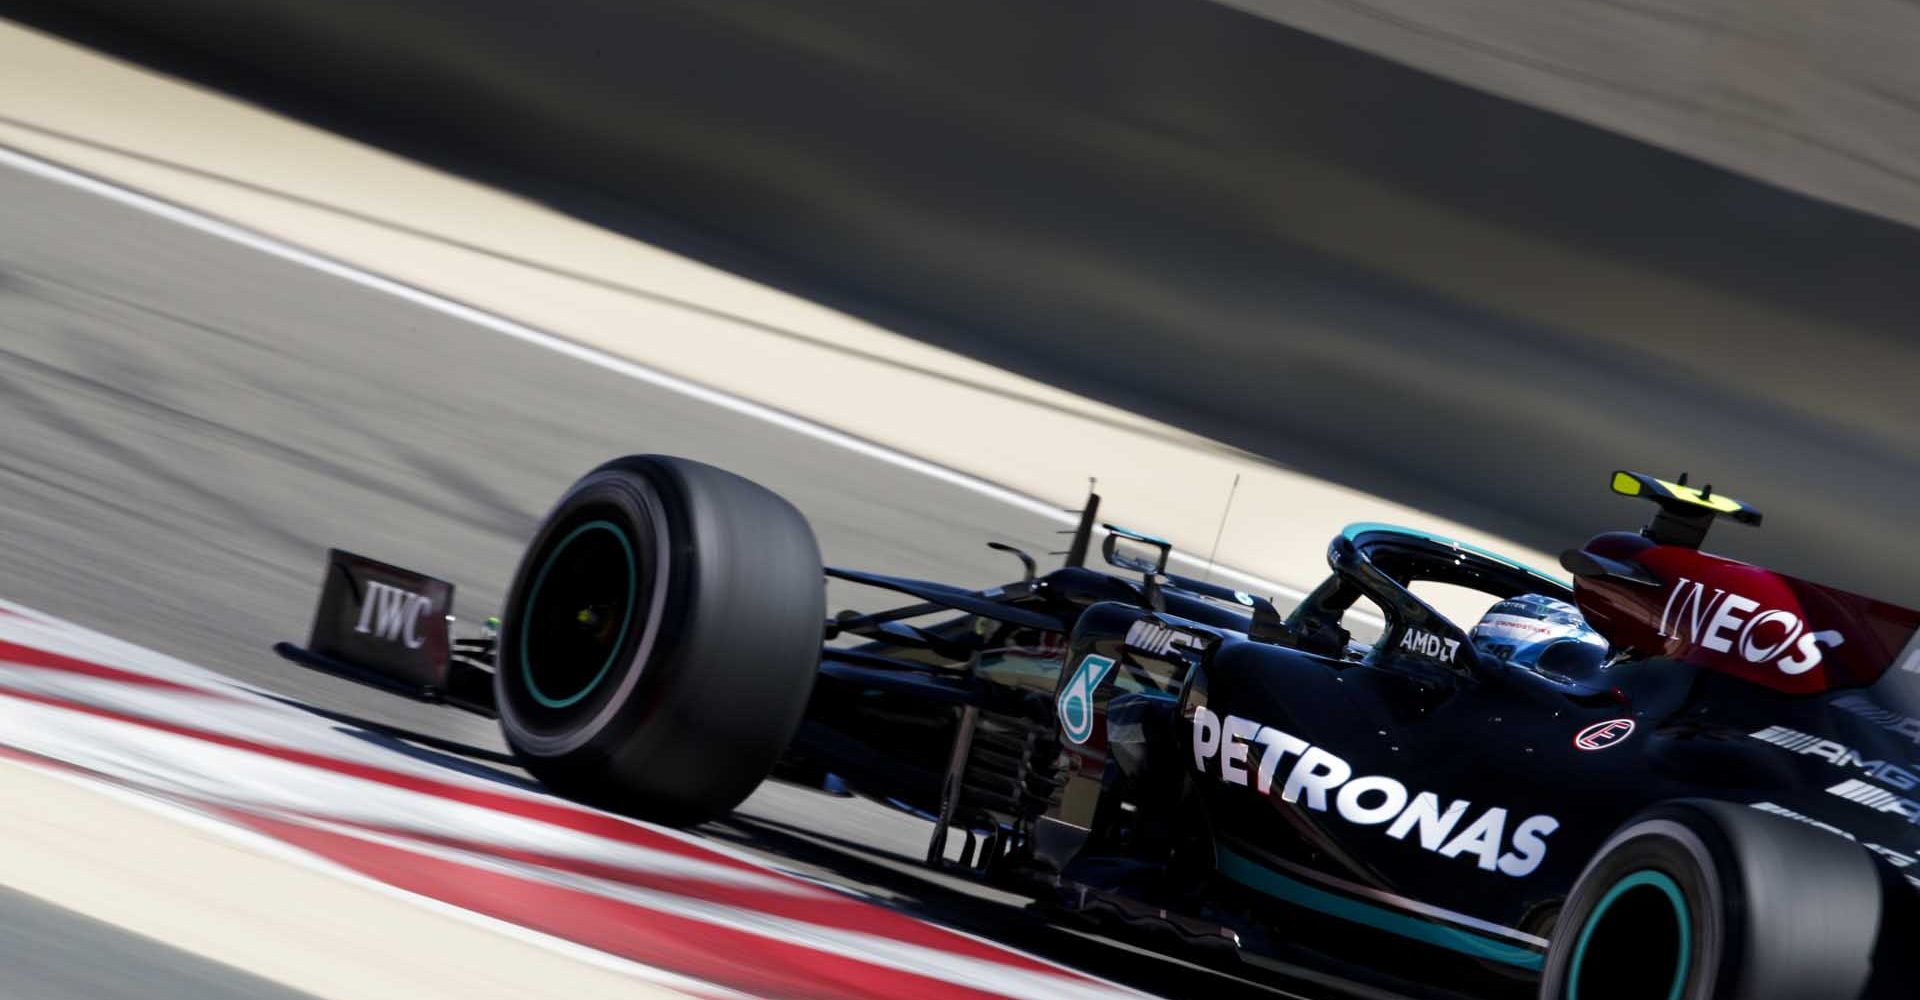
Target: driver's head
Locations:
point(1519, 630)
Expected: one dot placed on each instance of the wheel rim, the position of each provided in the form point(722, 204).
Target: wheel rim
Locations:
point(575, 626)
point(1620, 957)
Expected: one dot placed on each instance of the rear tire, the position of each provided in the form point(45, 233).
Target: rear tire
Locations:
point(1702, 900)
point(660, 639)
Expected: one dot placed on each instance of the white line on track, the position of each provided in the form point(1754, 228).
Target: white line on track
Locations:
point(146, 755)
point(263, 243)
point(262, 844)
point(962, 970)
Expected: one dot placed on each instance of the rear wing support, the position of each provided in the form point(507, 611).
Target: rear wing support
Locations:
point(1685, 512)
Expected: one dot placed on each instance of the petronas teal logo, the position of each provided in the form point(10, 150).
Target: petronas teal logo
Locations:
point(1076, 699)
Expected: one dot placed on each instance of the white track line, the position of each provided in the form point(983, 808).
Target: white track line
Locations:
point(267, 846)
point(985, 975)
point(183, 770)
point(519, 331)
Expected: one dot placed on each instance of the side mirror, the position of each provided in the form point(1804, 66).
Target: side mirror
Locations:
point(1144, 554)
point(1131, 550)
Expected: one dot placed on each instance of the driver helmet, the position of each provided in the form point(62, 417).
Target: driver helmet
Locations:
point(1519, 630)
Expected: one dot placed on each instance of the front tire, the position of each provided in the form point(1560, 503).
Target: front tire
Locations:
point(1703, 900)
point(660, 639)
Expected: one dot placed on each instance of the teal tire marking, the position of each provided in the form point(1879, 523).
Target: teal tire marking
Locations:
point(626, 621)
point(1675, 898)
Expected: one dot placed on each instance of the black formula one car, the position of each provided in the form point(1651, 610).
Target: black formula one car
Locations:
point(1700, 784)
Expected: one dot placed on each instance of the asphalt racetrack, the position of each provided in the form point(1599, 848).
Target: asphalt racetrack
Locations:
point(50, 953)
point(188, 425)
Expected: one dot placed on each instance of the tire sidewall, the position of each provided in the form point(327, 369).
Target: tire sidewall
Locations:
point(1779, 909)
point(1668, 847)
point(711, 689)
point(633, 488)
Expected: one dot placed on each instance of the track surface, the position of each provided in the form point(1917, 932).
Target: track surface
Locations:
point(49, 954)
point(189, 425)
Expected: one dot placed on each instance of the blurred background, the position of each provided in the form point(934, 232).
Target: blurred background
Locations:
point(1465, 256)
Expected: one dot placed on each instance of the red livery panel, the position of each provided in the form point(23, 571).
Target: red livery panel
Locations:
point(1775, 630)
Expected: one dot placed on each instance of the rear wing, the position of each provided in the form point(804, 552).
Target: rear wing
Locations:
point(1686, 512)
point(1657, 594)
point(391, 628)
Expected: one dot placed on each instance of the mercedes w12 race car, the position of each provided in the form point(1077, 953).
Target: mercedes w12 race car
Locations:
point(1674, 776)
